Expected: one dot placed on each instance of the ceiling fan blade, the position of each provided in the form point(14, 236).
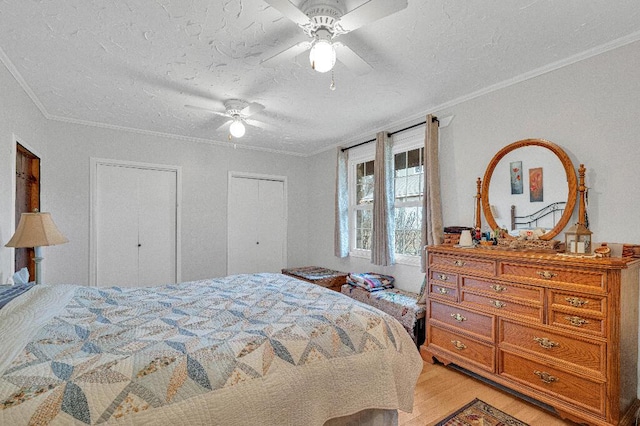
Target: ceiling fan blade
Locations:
point(207, 109)
point(260, 124)
point(287, 54)
point(369, 12)
point(252, 108)
point(351, 59)
point(226, 123)
point(289, 10)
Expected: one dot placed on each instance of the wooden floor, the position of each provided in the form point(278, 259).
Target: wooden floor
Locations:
point(442, 390)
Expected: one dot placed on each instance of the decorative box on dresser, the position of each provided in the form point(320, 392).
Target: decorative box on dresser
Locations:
point(562, 330)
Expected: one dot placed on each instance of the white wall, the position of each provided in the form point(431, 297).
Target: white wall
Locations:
point(66, 150)
point(19, 118)
point(590, 108)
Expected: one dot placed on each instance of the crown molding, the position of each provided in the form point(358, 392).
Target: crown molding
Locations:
point(614, 44)
point(598, 50)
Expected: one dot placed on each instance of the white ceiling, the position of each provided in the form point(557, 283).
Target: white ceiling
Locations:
point(134, 64)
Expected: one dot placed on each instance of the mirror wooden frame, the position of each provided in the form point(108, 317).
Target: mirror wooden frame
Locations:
point(571, 182)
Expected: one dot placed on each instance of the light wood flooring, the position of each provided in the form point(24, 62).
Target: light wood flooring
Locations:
point(442, 390)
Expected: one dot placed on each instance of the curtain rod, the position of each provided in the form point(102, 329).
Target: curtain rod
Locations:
point(433, 120)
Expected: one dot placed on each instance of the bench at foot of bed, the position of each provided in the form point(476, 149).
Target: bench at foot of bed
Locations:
point(400, 304)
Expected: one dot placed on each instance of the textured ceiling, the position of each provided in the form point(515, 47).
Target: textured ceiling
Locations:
point(136, 64)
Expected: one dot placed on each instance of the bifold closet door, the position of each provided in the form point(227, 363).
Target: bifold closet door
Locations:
point(256, 226)
point(135, 226)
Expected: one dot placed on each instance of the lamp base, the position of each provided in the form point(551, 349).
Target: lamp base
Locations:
point(38, 260)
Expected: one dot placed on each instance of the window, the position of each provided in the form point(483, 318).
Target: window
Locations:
point(408, 186)
point(409, 182)
point(363, 209)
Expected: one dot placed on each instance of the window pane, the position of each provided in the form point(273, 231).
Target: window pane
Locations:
point(409, 180)
point(399, 241)
point(368, 168)
point(364, 189)
point(408, 230)
point(364, 224)
point(400, 164)
point(413, 158)
point(364, 183)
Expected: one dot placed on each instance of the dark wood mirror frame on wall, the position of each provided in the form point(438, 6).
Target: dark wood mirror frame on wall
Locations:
point(571, 182)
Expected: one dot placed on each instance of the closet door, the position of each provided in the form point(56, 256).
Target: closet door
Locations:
point(256, 225)
point(271, 227)
point(156, 227)
point(135, 225)
point(116, 227)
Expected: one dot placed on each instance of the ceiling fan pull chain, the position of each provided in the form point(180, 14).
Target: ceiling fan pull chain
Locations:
point(332, 86)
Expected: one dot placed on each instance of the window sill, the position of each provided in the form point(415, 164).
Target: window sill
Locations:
point(400, 259)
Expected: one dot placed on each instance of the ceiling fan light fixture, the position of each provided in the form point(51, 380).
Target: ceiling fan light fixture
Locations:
point(237, 128)
point(322, 55)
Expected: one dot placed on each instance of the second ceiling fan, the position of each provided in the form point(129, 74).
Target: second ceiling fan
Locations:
point(238, 113)
point(324, 20)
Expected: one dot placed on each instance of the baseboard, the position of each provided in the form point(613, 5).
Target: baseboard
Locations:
point(630, 418)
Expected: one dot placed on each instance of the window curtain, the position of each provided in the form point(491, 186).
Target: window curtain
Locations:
point(341, 233)
point(432, 228)
point(383, 237)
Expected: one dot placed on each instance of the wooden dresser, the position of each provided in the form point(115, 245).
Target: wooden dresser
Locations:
point(561, 330)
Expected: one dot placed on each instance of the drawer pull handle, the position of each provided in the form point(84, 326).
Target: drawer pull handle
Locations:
point(442, 277)
point(458, 317)
point(576, 302)
point(458, 262)
point(498, 288)
point(443, 290)
point(546, 343)
point(547, 275)
point(545, 377)
point(458, 345)
point(576, 321)
point(497, 304)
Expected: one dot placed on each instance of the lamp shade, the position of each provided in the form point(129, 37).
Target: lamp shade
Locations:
point(35, 230)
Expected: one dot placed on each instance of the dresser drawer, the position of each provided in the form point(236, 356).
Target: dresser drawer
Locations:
point(529, 293)
point(570, 277)
point(558, 347)
point(462, 264)
point(462, 319)
point(442, 291)
point(576, 321)
point(554, 382)
point(457, 346)
point(587, 304)
point(502, 306)
point(444, 277)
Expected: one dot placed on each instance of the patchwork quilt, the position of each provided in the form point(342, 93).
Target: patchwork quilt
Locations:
point(245, 349)
point(400, 304)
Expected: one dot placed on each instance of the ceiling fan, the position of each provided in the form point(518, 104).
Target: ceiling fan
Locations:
point(238, 113)
point(323, 20)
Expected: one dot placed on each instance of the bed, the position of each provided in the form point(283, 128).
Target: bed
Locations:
point(260, 349)
point(544, 217)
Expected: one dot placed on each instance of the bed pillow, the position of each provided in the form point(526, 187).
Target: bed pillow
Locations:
point(8, 293)
point(371, 281)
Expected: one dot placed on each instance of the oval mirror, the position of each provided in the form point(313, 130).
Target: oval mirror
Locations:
point(530, 184)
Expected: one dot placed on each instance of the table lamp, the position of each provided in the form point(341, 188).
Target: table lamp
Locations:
point(36, 230)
